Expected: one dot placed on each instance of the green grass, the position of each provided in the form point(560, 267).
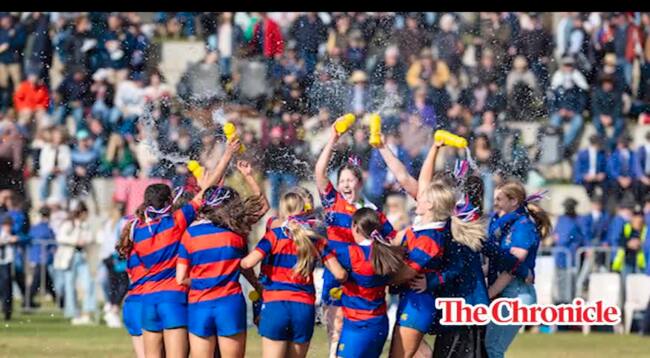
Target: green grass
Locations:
point(49, 335)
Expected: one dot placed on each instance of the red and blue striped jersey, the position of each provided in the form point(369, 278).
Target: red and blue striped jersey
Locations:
point(339, 213)
point(364, 293)
point(156, 243)
point(136, 272)
point(280, 281)
point(213, 254)
point(426, 244)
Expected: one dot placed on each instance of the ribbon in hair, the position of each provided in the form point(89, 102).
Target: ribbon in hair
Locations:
point(536, 197)
point(461, 168)
point(217, 197)
point(354, 160)
point(376, 236)
point(465, 211)
point(179, 190)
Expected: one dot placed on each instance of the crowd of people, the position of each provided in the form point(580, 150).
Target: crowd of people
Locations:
point(113, 115)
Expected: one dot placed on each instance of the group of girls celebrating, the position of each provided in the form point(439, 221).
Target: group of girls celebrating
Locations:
point(185, 256)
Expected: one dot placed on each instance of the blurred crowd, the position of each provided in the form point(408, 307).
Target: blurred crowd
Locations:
point(283, 78)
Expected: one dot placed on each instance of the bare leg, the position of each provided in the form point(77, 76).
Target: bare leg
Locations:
point(201, 347)
point(176, 345)
point(138, 346)
point(406, 342)
point(334, 319)
point(153, 344)
point(298, 350)
point(233, 346)
point(274, 349)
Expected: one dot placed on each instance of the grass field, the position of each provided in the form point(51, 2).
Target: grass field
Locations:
point(49, 335)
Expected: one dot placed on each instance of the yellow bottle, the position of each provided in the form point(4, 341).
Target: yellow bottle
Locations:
point(336, 293)
point(375, 130)
point(343, 124)
point(230, 131)
point(196, 169)
point(450, 139)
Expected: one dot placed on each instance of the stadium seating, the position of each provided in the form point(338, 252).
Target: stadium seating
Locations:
point(637, 294)
point(604, 287)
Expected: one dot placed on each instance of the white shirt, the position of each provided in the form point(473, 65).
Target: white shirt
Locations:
point(6, 249)
point(429, 226)
point(595, 215)
point(225, 41)
point(647, 158)
point(592, 160)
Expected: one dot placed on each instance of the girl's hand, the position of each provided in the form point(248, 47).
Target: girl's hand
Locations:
point(244, 167)
point(233, 147)
point(335, 134)
point(418, 283)
point(439, 144)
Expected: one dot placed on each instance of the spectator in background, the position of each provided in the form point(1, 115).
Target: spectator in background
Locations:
point(114, 279)
point(201, 82)
point(309, 32)
point(16, 210)
point(55, 164)
point(130, 100)
point(391, 67)
point(629, 254)
point(279, 165)
point(158, 93)
point(410, 39)
point(103, 94)
point(38, 56)
point(568, 86)
point(486, 158)
point(360, 96)
point(425, 71)
point(71, 97)
point(227, 40)
point(267, 40)
point(606, 111)
point(594, 225)
point(590, 169)
point(12, 44)
point(567, 235)
point(32, 98)
point(85, 162)
point(339, 35)
point(622, 170)
point(356, 53)
point(74, 242)
point(643, 158)
point(41, 256)
point(11, 157)
point(624, 211)
point(7, 241)
point(448, 43)
point(523, 91)
point(536, 45)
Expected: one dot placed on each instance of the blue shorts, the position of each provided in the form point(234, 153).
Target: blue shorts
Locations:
point(132, 316)
point(287, 321)
point(363, 339)
point(223, 317)
point(417, 311)
point(165, 315)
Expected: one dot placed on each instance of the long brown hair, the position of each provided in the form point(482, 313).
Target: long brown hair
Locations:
point(514, 190)
point(293, 203)
point(125, 243)
point(386, 259)
point(233, 212)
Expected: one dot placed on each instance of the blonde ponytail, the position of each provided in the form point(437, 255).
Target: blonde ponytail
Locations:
point(306, 250)
point(470, 233)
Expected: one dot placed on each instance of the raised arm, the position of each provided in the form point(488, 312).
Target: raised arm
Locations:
point(210, 179)
point(428, 167)
point(246, 170)
point(399, 170)
point(320, 171)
